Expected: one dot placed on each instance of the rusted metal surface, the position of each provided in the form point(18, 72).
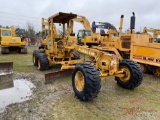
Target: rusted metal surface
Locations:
point(6, 75)
point(51, 77)
point(127, 38)
point(6, 67)
point(126, 42)
point(62, 17)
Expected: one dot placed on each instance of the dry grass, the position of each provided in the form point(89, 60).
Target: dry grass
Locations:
point(22, 62)
point(113, 102)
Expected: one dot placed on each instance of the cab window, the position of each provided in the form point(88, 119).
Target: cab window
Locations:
point(44, 34)
point(87, 33)
point(80, 34)
point(6, 33)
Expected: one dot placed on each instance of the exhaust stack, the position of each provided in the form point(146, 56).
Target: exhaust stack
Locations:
point(132, 22)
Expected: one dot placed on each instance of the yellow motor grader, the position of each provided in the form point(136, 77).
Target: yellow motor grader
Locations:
point(10, 42)
point(86, 74)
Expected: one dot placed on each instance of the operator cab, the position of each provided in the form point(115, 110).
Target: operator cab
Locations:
point(5, 32)
point(81, 34)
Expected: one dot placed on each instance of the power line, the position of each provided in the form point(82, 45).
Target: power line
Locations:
point(17, 18)
point(22, 20)
point(19, 23)
point(11, 21)
point(19, 15)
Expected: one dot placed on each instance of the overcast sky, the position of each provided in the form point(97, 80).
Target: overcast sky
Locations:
point(19, 12)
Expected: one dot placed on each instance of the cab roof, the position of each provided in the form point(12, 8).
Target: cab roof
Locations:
point(62, 17)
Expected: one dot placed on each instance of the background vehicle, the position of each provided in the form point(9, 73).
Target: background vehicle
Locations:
point(86, 75)
point(10, 42)
point(89, 38)
point(146, 51)
point(139, 47)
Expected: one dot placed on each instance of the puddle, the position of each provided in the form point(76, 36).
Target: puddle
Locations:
point(20, 92)
point(5, 73)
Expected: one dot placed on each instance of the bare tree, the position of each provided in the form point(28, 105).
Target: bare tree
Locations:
point(30, 31)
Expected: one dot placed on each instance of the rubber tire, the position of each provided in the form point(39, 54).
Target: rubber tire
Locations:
point(136, 74)
point(35, 53)
point(44, 63)
point(92, 82)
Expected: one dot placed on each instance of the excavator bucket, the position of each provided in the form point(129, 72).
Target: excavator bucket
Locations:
point(6, 75)
point(51, 77)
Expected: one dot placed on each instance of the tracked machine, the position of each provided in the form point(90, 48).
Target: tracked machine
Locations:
point(86, 73)
point(10, 42)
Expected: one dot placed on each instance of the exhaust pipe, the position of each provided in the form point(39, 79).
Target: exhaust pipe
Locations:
point(132, 22)
point(121, 24)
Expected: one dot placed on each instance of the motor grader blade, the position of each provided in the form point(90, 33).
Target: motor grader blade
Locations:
point(51, 77)
point(6, 75)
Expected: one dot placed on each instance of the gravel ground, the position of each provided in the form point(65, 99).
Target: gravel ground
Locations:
point(56, 101)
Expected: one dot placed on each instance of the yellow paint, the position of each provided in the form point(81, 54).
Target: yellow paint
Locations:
point(79, 81)
point(9, 38)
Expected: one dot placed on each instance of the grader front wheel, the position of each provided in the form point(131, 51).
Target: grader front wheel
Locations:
point(86, 81)
point(132, 74)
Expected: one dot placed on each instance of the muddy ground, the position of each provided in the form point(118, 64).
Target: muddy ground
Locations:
point(56, 101)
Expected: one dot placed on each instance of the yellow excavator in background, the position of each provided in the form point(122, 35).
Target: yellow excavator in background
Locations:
point(154, 32)
point(89, 38)
point(89, 35)
point(10, 42)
